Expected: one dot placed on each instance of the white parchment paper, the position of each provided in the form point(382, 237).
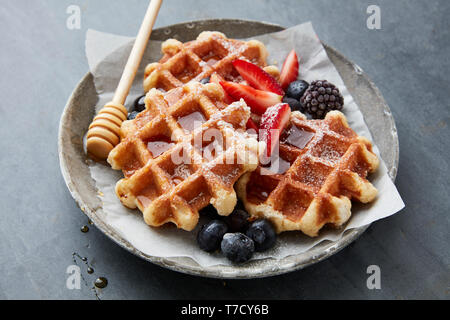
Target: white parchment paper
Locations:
point(107, 55)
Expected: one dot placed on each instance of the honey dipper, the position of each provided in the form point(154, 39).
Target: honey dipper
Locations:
point(104, 131)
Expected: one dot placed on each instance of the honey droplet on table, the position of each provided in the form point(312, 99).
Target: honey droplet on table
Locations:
point(84, 229)
point(101, 283)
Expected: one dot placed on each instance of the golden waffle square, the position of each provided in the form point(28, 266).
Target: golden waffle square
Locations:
point(211, 52)
point(171, 167)
point(323, 164)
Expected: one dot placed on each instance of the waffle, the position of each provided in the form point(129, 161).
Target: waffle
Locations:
point(211, 52)
point(323, 165)
point(169, 172)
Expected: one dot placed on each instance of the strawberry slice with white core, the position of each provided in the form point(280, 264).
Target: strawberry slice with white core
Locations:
point(289, 71)
point(258, 100)
point(273, 122)
point(257, 77)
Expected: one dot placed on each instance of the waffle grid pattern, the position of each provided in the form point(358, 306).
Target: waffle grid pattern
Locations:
point(322, 178)
point(195, 60)
point(168, 190)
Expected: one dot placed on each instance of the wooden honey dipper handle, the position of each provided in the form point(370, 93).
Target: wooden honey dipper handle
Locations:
point(104, 131)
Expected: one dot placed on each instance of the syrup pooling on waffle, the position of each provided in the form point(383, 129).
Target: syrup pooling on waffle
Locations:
point(323, 165)
point(195, 60)
point(170, 169)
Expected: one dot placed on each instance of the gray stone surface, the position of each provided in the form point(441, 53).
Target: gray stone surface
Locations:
point(41, 62)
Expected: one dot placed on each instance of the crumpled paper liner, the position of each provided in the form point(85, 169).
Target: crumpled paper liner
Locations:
point(107, 55)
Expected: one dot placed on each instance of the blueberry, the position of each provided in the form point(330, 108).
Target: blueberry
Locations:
point(293, 103)
point(210, 212)
point(263, 234)
point(211, 234)
point(296, 89)
point(139, 104)
point(132, 115)
point(205, 80)
point(237, 221)
point(237, 247)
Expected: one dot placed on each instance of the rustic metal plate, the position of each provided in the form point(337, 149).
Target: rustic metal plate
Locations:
point(79, 112)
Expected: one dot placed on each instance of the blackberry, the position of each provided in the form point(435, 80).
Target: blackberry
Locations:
point(320, 98)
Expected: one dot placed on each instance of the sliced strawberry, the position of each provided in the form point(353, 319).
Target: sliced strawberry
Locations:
point(258, 100)
point(289, 71)
point(273, 121)
point(215, 78)
point(252, 125)
point(257, 77)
